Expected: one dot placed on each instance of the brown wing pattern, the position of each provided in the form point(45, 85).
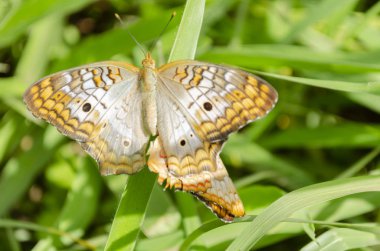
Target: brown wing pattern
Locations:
point(203, 104)
point(218, 100)
point(203, 175)
point(97, 105)
point(186, 162)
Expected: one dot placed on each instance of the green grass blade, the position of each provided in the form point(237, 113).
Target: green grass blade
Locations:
point(296, 200)
point(11, 87)
point(12, 129)
point(369, 87)
point(366, 99)
point(130, 214)
point(20, 170)
point(87, 51)
point(188, 210)
point(325, 9)
point(326, 136)
point(45, 245)
point(298, 57)
point(208, 226)
point(240, 153)
point(186, 41)
point(43, 37)
point(81, 202)
point(184, 47)
point(161, 243)
point(31, 11)
point(343, 239)
point(360, 164)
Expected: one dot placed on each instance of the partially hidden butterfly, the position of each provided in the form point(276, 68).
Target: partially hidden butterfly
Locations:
point(112, 109)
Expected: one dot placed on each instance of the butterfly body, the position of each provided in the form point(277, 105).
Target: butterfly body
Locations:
point(148, 83)
point(112, 109)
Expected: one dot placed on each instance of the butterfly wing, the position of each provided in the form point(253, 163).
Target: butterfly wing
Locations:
point(201, 105)
point(99, 105)
point(218, 100)
point(188, 163)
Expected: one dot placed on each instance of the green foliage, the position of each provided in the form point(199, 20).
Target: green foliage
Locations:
point(294, 169)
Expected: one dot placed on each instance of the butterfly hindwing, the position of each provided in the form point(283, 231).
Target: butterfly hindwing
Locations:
point(99, 106)
point(186, 162)
point(218, 100)
point(213, 187)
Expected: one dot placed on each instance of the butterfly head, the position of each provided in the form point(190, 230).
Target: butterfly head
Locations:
point(148, 61)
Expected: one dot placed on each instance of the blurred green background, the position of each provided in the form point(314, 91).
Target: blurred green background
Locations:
point(322, 56)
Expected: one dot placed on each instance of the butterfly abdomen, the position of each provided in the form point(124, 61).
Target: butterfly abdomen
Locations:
point(148, 83)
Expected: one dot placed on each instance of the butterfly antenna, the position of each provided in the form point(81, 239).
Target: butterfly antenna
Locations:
point(162, 32)
point(130, 34)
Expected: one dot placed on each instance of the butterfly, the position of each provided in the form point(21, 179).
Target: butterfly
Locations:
point(112, 109)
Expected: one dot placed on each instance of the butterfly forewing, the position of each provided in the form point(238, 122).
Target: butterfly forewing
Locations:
point(218, 100)
point(98, 105)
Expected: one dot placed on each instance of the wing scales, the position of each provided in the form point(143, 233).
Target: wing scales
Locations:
point(98, 105)
point(219, 100)
point(187, 162)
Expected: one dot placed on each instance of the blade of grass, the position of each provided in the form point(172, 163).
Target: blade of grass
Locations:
point(186, 41)
point(6, 9)
point(188, 210)
point(11, 87)
point(343, 239)
point(325, 9)
point(7, 223)
point(369, 87)
point(365, 99)
point(31, 11)
point(43, 36)
point(360, 164)
point(298, 199)
point(88, 51)
point(20, 170)
point(161, 243)
point(368, 16)
point(126, 227)
point(241, 14)
point(184, 47)
point(204, 228)
point(298, 57)
point(12, 130)
point(13, 243)
point(241, 153)
point(81, 202)
point(361, 135)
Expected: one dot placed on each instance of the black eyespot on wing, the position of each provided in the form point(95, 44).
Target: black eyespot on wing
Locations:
point(207, 106)
point(182, 142)
point(86, 107)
